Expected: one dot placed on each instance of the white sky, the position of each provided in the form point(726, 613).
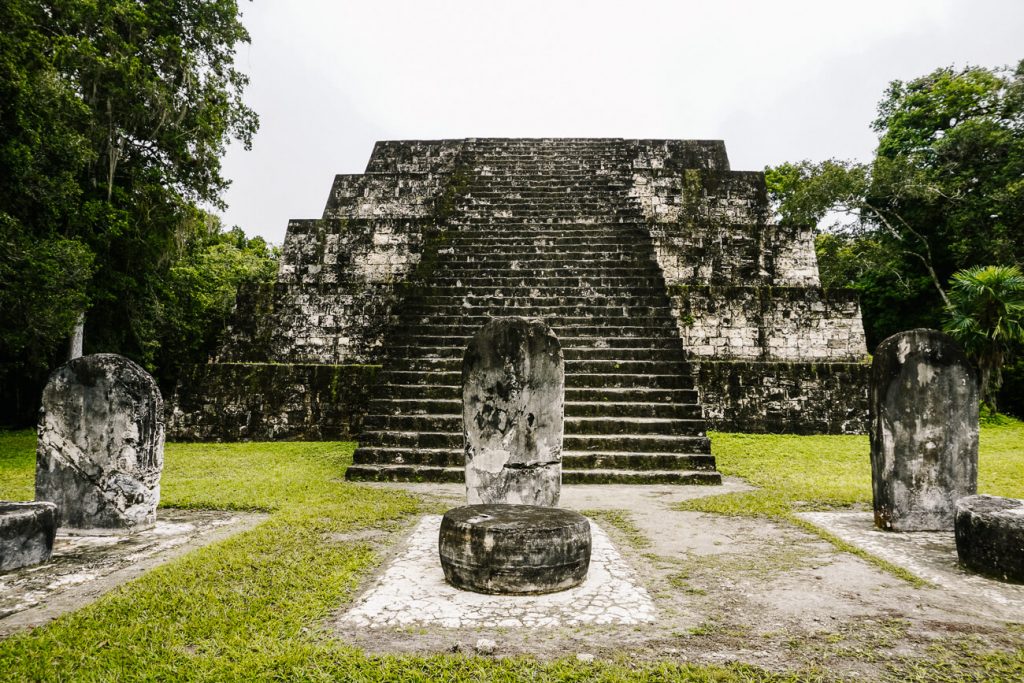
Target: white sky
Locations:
point(777, 80)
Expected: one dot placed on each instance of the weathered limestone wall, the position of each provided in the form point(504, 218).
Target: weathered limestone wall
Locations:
point(769, 323)
point(299, 358)
point(261, 401)
point(784, 397)
point(746, 293)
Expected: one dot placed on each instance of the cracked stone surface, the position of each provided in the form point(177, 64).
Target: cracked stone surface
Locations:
point(924, 431)
point(101, 444)
point(513, 392)
point(83, 568)
point(930, 555)
point(412, 591)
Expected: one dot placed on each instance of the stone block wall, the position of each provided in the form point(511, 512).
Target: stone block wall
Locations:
point(769, 323)
point(784, 397)
point(266, 401)
point(746, 294)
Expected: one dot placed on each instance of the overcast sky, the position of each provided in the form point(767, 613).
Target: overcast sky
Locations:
point(780, 80)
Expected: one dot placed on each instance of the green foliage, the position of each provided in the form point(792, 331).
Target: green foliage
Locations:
point(945, 191)
point(200, 292)
point(986, 315)
point(113, 119)
point(43, 287)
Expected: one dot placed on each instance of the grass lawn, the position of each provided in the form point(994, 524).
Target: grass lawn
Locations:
point(248, 608)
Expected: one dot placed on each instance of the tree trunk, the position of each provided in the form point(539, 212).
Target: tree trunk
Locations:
point(77, 337)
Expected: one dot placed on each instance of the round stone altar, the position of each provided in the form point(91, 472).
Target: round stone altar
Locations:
point(514, 549)
point(990, 536)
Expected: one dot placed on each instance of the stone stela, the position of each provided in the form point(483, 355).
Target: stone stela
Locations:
point(513, 390)
point(511, 539)
point(100, 452)
point(924, 431)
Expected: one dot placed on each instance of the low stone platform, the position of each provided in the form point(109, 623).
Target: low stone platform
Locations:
point(412, 591)
point(990, 536)
point(27, 531)
point(930, 555)
point(83, 568)
point(514, 549)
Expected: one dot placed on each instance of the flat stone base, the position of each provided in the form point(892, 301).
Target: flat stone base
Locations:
point(411, 593)
point(990, 536)
point(83, 568)
point(514, 549)
point(27, 531)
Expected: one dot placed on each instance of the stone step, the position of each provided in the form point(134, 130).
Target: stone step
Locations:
point(575, 342)
point(577, 394)
point(583, 426)
point(604, 476)
point(572, 366)
point(442, 406)
point(634, 443)
point(490, 300)
point(554, 268)
point(481, 281)
point(564, 328)
point(543, 245)
point(541, 292)
point(572, 380)
point(418, 351)
point(553, 313)
point(452, 457)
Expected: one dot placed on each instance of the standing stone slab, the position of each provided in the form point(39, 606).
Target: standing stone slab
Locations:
point(513, 389)
point(101, 444)
point(990, 536)
point(27, 531)
point(924, 431)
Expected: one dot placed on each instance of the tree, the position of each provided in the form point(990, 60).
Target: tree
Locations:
point(114, 116)
point(200, 293)
point(986, 315)
point(163, 100)
point(944, 192)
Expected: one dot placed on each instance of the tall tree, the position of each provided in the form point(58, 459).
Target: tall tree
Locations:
point(943, 192)
point(114, 116)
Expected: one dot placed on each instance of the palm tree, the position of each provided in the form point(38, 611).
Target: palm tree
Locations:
point(986, 315)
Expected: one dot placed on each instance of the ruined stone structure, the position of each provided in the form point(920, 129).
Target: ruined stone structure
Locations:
point(655, 264)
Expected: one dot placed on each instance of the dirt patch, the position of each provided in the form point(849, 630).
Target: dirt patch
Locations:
point(728, 589)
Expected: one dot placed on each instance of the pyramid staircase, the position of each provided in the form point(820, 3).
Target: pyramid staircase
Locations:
point(544, 229)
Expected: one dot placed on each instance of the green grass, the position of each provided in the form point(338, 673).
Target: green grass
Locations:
point(249, 608)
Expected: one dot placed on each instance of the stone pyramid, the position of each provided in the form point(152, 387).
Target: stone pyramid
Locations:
point(678, 304)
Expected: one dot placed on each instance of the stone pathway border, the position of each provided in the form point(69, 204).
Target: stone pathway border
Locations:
point(84, 568)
